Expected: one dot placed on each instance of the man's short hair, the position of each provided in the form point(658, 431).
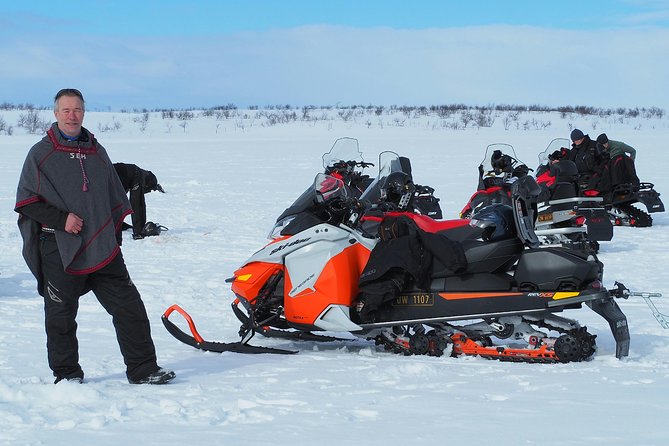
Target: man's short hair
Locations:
point(69, 92)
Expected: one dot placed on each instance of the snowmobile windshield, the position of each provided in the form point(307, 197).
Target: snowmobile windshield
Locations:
point(343, 151)
point(501, 164)
point(389, 162)
point(307, 210)
point(500, 158)
point(556, 145)
point(304, 202)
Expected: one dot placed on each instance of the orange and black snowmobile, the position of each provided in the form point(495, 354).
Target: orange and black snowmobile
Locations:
point(504, 301)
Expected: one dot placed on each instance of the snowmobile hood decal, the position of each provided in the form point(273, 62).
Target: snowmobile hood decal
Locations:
point(564, 295)
point(456, 296)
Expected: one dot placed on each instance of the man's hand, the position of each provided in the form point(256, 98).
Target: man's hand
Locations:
point(73, 224)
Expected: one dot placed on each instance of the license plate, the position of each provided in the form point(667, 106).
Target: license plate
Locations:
point(414, 300)
point(545, 217)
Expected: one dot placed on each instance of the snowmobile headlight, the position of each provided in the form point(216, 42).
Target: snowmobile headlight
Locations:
point(275, 233)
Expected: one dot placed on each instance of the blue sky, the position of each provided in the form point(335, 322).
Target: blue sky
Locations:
point(174, 53)
point(206, 17)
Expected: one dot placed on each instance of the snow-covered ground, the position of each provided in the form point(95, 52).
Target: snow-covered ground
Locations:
point(226, 182)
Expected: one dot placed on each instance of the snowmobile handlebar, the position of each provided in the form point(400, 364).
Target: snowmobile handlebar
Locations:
point(347, 165)
point(424, 189)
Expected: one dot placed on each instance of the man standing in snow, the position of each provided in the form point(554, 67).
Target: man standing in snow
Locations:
point(71, 205)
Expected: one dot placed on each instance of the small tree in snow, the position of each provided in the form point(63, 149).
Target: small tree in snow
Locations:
point(32, 122)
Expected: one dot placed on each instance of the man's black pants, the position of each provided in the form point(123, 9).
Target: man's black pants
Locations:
point(117, 294)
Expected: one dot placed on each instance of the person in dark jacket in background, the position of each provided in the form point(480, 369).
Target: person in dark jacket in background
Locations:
point(615, 148)
point(619, 166)
point(588, 158)
point(71, 205)
point(584, 152)
point(139, 182)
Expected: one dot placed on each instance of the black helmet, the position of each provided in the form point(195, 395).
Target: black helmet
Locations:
point(497, 222)
point(500, 162)
point(398, 189)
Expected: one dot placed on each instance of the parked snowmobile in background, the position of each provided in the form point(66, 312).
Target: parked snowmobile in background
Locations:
point(618, 186)
point(620, 204)
point(344, 161)
point(497, 171)
point(306, 280)
point(620, 198)
point(564, 218)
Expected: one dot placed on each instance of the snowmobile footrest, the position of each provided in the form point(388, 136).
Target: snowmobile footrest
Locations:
point(219, 347)
point(301, 335)
point(609, 310)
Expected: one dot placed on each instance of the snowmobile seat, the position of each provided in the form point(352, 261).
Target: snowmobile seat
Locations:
point(564, 189)
point(554, 269)
point(484, 257)
point(561, 179)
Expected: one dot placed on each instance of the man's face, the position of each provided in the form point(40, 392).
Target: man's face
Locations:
point(578, 142)
point(69, 115)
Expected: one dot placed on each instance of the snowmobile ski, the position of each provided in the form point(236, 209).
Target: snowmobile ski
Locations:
point(219, 347)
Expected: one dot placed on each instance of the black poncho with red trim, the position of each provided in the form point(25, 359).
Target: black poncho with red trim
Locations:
point(77, 177)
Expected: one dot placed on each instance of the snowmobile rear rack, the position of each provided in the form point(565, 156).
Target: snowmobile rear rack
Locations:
point(219, 347)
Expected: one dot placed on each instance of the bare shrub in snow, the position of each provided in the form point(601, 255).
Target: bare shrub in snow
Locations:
point(33, 123)
point(143, 121)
